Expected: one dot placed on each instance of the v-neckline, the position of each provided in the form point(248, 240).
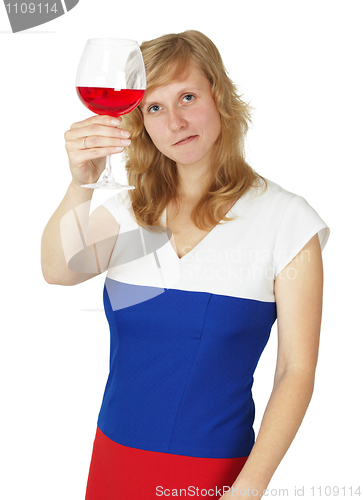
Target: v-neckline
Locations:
point(201, 241)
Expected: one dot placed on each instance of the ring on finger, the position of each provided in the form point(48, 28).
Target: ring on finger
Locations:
point(84, 142)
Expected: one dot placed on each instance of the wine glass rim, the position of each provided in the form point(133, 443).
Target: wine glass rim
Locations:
point(112, 41)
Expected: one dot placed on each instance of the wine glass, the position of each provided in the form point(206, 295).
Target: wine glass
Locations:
point(111, 80)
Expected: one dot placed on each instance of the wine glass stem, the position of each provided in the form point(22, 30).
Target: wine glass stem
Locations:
point(108, 174)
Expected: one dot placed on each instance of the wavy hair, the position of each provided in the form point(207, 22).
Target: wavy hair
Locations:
point(152, 173)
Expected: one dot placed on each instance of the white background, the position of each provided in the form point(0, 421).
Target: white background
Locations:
point(300, 65)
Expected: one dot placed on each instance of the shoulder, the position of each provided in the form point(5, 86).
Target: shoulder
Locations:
point(264, 198)
point(294, 223)
point(121, 199)
point(119, 205)
point(273, 203)
point(278, 221)
point(275, 194)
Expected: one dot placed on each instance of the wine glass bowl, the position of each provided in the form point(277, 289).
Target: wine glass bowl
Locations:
point(111, 80)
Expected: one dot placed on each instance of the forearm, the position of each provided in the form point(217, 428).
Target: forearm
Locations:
point(53, 261)
point(282, 418)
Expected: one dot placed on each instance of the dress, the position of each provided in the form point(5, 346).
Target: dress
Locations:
point(186, 335)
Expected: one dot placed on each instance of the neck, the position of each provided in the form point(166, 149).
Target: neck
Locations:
point(192, 182)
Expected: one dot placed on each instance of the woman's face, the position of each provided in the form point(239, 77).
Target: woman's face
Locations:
point(182, 119)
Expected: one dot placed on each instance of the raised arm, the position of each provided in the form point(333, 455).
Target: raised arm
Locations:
point(71, 231)
point(298, 293)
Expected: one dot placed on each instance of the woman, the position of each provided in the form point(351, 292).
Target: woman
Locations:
point(190, 317)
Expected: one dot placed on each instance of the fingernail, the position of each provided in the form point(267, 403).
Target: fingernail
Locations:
point(125, 133)
point(115, 121)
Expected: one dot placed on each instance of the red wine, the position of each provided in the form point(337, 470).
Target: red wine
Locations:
point(106, 101)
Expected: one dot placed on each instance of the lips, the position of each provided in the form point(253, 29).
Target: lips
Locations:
point(185, 140)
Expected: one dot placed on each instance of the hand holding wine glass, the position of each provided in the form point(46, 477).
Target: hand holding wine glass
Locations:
point(111, 80)
point(104, 137)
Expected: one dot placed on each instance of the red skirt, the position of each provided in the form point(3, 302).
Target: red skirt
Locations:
point(119, 472)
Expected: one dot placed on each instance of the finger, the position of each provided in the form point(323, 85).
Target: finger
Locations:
point(91, 142)
point(106, 120)
point(96, 141)
point(79, 157)
point(95, 130)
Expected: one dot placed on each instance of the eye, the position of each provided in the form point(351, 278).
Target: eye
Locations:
point(188, 97)
point(153, 109)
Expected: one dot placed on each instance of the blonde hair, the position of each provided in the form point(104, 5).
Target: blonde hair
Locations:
point(153, 174)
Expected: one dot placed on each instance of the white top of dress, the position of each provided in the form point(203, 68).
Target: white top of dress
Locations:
point(239, 258)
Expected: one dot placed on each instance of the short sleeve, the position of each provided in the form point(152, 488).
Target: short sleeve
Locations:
point(299, 223)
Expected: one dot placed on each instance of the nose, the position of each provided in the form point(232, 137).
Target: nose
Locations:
point(176, 119)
